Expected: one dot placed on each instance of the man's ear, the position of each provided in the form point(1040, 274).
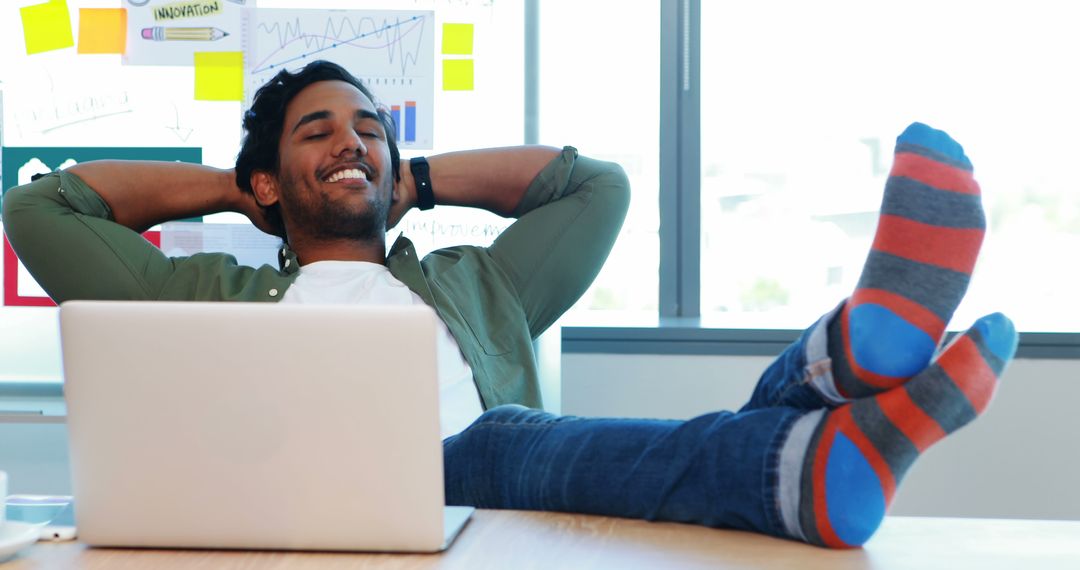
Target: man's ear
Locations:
point(265, 187)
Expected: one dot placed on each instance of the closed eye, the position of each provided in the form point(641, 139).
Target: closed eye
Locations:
point(315, 136)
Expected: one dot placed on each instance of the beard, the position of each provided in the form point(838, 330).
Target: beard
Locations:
point(322, 219)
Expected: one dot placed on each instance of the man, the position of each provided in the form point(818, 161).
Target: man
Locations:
point(817, 453)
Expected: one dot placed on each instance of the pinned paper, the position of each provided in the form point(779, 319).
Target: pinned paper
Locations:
point(457, 39)
point(219, 76)
point(102, 30)
point(46, 27)
point(457, 75)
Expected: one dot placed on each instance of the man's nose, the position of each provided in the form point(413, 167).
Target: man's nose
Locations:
point(349, 142)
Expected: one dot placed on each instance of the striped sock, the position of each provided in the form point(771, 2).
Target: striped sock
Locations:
point(927, 240)
point(859, 452)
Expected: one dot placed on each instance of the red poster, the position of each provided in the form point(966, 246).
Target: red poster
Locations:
point(11, 276)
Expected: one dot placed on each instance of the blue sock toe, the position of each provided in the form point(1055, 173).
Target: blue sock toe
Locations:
point(999, 334)
point(940, 142)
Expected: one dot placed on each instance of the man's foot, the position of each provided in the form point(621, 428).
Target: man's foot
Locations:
point(859, 452)
point(927, 240)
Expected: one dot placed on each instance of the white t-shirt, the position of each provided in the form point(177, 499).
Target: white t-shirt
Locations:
point(364, 283)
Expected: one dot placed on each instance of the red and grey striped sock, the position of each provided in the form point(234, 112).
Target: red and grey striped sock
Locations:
point(928, 238)
point(858, 453)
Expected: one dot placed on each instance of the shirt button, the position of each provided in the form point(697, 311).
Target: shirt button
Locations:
point(273, 292)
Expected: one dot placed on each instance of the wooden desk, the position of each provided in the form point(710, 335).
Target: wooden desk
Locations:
point(547, 541)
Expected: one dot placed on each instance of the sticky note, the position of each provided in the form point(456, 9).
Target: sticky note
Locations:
point(102, 30)
point(219, 75)
point(457, 75)
point(46, 27)
point(457, 39)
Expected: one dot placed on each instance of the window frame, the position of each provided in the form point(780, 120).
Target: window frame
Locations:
point(679, 330)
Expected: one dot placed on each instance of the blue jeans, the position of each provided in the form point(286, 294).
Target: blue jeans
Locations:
point(720, 469)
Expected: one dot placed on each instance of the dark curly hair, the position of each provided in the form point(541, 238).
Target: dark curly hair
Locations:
point(265, 121)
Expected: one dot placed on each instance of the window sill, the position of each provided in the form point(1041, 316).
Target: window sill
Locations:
point(687, 337)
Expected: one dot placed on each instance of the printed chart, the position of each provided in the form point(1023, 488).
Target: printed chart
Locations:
point(392, 52)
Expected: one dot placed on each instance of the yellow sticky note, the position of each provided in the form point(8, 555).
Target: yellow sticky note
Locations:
point(219, 76)
point(457, 39)
point(457, 75)
point(46, 26)
point(102, 30)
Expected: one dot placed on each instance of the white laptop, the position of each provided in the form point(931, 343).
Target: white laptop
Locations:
point(255, 426)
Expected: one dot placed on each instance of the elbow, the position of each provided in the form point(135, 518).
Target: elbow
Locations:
point(21, 202)
point(13, 205)
point(613, 187)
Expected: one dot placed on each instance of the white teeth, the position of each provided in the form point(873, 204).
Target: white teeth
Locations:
point(352, 173)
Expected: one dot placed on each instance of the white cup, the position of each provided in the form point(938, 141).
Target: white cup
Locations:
point(3, 496)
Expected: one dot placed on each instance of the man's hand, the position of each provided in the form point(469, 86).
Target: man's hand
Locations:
point(245, 204)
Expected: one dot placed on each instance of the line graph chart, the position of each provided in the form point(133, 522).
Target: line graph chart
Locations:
point(391, 51)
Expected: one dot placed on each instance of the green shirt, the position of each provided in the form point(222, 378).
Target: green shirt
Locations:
point(495, 300)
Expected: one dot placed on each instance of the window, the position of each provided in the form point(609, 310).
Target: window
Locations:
point(800, 110)
point(599, 91)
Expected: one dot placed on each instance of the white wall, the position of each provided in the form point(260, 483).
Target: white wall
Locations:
point(1019, 460)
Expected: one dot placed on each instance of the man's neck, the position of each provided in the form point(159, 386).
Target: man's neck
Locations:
point(310, 251)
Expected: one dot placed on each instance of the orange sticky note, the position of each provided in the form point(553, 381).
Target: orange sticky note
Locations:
point(219, 76)
point(457, 75)
point(46, 26)
point(102, 30)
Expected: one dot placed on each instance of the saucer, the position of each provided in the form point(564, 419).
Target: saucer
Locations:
point(15, 536)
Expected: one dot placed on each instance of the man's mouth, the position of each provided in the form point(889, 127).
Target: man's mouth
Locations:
point(354, 172)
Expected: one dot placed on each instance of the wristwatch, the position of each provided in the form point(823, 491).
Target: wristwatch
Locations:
point(425, 195)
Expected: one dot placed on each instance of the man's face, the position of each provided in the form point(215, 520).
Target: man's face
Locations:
point(334, 175)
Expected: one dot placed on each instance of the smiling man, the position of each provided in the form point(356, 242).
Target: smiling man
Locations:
point(816, 455)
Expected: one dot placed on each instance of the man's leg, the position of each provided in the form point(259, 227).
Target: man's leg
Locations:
point(925, 247)
point(717, 470)
point(928, 238)
point(825, 477)
point(853, 458)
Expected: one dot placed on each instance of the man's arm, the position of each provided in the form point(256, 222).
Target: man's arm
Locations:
point(493, 179)
point(570, 211)
point(142, 194)
point(62, 225)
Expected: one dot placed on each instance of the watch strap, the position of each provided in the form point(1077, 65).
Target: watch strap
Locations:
point(421, 172)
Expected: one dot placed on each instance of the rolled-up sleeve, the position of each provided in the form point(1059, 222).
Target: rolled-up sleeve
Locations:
point(567, 224)
point(63, 233)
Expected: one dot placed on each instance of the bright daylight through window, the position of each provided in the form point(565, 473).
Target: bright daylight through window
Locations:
point(801, 105)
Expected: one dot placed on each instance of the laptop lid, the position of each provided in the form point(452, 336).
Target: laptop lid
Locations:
point(234, 425)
